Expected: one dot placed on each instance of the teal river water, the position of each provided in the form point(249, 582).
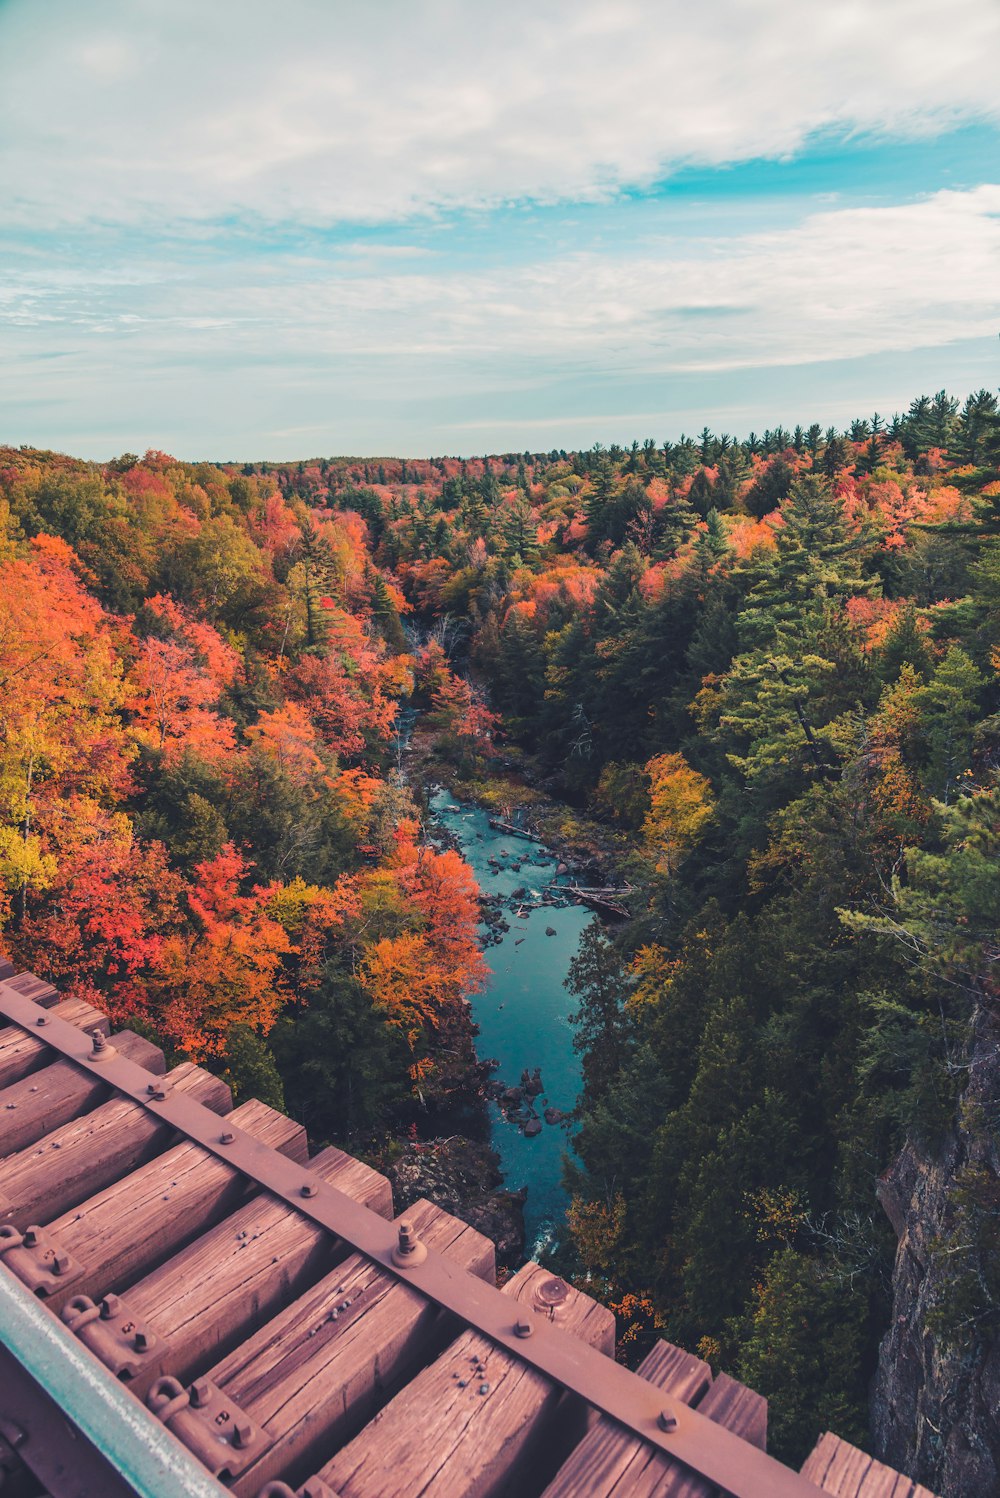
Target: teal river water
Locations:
point(523, 1016)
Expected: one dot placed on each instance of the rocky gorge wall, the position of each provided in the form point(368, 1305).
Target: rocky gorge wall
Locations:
point(936, 1392)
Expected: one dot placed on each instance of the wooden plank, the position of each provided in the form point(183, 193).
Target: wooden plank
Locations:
point(46, 1099)
point(477, 1421)
point(128, 1228)
point(7, 968)
point(732, 1404)
point(38, 990)
point(843, 1470)
point(74, 1161)
point(316, 1372)
point(22, 1053)
point(226, 1283)
point(608, 1460)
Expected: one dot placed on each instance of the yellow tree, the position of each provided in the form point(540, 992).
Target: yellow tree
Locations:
point(680, 808)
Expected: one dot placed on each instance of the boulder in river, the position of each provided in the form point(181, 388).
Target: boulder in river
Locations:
point(554, 1115)
point(531, 1128)
point(550, 931)
point(562, 869)
point(531, 1085)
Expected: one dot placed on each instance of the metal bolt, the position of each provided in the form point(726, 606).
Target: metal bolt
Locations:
point(30, 1237)
point(242, 1431)
point(409, 1251)
point(60, 1262)
point(666, 1421)
point(110, 1306)
point(201, 1392)
point(523, 1327)
point(100, 1043)
point(227, 1136)
point(41, 1020)
point(309, 1189)
point(551, 1295)
point(484, 1388)
point(141, 1343)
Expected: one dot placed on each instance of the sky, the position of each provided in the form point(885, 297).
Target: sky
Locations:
point(246, 230)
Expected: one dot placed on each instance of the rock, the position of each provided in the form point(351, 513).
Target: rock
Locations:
point(550, 931)
point(464, 1178)
point(531, 1128)
point(511, 1097)
point(554, 1115)
point(520, 893)
point(533, 1086)
point(933, 1398)
point(562, 869)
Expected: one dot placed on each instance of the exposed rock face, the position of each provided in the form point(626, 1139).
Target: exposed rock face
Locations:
point(464, 1178)
point(936, 1393)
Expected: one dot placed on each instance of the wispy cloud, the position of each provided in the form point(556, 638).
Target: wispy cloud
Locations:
point(323, 110)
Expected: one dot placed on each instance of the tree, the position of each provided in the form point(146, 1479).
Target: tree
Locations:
point(680, 806)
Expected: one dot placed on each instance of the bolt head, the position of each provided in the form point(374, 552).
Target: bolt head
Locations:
point(227, 1136)
point(523, 1327)
point(666, 1421)
point(309, 1189)
point(201, 1392)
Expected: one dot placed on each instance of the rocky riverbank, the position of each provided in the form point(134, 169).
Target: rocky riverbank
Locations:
point(464, 1178)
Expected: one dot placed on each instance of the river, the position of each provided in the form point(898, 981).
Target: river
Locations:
point(523, 1015)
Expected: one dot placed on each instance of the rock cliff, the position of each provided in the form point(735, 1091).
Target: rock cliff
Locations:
point(936, 1393)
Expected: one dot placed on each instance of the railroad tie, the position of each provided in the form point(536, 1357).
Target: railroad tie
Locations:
point(205, 1299)
point(478, 1420)
point(312, 1376)
point(134, 1224)
point(67, 1166)
point(55, 1095)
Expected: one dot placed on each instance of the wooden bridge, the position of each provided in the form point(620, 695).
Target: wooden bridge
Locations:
point(190, 1304)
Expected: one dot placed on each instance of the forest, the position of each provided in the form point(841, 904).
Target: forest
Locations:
point(763, 673)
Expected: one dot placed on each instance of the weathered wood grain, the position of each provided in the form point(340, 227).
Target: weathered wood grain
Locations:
point(74, 1161)
point(38, 990)
point(46, 1099)
point(608, 1460)
point(128, 1228)
point(22, 1053)
point(477, 1421)
point(844, 1471)
point(314, 1374)
point(226, 1283)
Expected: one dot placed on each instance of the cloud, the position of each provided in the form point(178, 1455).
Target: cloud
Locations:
point(323, 111)
point(841, 284)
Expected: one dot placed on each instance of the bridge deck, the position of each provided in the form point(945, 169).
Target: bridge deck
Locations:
point(264, 1309)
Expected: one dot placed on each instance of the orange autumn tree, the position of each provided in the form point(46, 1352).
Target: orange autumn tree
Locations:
point(60, 692)
point(419, 975)
point(112, 906)
point(227, 970)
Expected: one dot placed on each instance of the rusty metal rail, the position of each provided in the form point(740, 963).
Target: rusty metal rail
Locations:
point(694, 1440)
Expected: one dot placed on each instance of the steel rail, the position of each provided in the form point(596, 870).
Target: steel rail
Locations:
point(68, 1395)
point(699, 1443)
